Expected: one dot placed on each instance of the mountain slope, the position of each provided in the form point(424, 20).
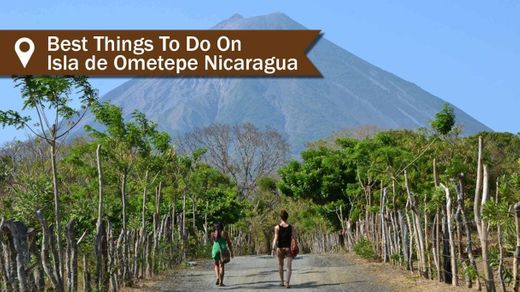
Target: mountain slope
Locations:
point(351, 93)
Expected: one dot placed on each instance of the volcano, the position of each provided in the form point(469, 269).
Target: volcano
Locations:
point(352, 93)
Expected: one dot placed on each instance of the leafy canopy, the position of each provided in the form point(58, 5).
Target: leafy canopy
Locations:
point(444, 120)
point(52, 98)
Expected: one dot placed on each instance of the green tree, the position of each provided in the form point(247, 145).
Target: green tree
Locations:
point(120, 143)
point(51, 98)
point(322, 177)
point(444, 120)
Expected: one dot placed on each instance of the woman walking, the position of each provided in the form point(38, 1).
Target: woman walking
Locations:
point(221, 241)
point(283, 234)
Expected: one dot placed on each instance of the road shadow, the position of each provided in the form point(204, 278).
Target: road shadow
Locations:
point(261, 285)
point(265, 257)
point(263, 273)
point(308, 272)
point(267, 285)
point(275, 259)
point(313, 285)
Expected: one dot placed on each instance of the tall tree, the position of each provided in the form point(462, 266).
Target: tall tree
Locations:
point(52, 99)
point(243, 151)
point(121, 141)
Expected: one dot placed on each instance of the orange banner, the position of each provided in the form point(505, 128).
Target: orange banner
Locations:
point(157, 53)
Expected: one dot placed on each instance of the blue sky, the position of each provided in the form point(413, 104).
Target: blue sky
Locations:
point(466, 52)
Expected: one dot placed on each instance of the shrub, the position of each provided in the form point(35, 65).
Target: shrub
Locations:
point(365, 249)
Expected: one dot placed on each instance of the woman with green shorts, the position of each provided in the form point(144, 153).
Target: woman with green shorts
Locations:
point(220, 237)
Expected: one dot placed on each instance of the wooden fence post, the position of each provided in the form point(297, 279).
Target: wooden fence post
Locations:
point(516, 260)
point(17, 255)
point(100, 245)
point(436, 244)
point(72, 258)
point(404, 240)
point(38, 278)
point(48, 248)
point(469, 246)
point(384, 237)
point(449, 220)
point(5, 259)
point(416, 221)
point(490, 281)
point(86, 275)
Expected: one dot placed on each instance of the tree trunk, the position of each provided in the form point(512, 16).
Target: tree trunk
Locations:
point(501, 259)
point(368, 214)
point(490, 282)
point(72, 259)
point(48, 247)
point(5, 259)
point(112, 259)
point(147, 245)
point(437, 240)
point(18, 233)
point(404, 240)
point(143, 220)
point(420, 238)
point(460, 251)
point(184, 233)
point(206, 227)
point(500, 247)
point(395, 223)
point(124, 258)
point(174, 214)
point(476, 202)
point(453, 259)
point(410, 240)
point(436, 245)
point(438, 227)
point(57, 211)
point(38, 275)
point(156, 228)
point(417, 227)
point(145, 192)
point(136, 242)
point(426, 242)
point(173, 229)
point(516, 259)
point(446, 250)
point(100, 260)
point(86, 275)
point(467, 230)
point(384, 240)
point(477, 198)
point(158, 197)
point(194, 211)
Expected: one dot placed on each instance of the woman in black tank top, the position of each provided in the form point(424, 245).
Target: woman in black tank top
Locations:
point(283, 234)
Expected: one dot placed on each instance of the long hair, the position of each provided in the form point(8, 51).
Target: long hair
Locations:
point(219, 227)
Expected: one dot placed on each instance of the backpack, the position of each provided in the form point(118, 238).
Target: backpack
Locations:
point(294, 247)
point(225, 255)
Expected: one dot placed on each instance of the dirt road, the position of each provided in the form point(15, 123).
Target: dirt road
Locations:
point(310, 273)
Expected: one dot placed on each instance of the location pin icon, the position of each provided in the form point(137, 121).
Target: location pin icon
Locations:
point(24, 56)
